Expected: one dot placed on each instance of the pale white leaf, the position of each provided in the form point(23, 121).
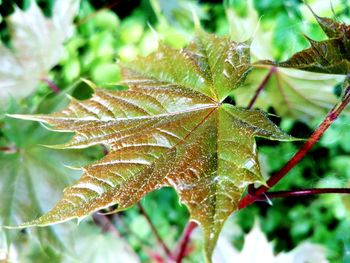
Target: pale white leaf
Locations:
point(37, 47)
point(257, 248)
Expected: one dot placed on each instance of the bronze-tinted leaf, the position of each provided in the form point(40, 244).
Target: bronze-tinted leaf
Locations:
point(329, 56)
point(170, 128)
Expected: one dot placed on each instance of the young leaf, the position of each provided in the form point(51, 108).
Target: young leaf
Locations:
point(169, 129)
point(329, 56)
point(292, 93)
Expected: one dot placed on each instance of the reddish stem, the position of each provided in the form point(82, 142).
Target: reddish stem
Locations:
point(92, 15)
point(107, 226)
point(105, 223)
point(52, 85)
point(8, 149)
point(5, 148)
point(304, 192)
point(148, 219)
point(180, 252)
point(333, 114)
point(261, 86)
point(154, 230)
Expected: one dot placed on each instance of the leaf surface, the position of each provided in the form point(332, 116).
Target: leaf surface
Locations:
point(292, 93)
point(37, 47)
point(329, 56)
point(31, 178)
point(170, 128)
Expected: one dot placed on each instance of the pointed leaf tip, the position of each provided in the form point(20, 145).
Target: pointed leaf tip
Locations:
point(328, 56)
point(89, 83)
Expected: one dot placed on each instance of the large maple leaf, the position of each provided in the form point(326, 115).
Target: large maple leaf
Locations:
point(170, 128)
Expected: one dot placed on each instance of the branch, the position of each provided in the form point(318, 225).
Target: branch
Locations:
point(143, 212)
point(107, 226)
point(128, 232)
point(180, 251)
point(304, 192)
point(261, 87)
point(8, 149)
point(51, 85)
point(105, 223)
point(154, 230)
point(254, 194)
point(92, 15)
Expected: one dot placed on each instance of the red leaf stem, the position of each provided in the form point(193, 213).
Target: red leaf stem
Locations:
point(255, 194)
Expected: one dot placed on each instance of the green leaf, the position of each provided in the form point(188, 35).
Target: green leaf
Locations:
point(170, 128)
point(292, 93)
point(329, 56)
point(31, 179)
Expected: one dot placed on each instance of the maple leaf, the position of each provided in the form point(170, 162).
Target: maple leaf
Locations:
point(328, 56)
point(21, 167)
point(38, 46)
point(170, 128)
point(292, 93)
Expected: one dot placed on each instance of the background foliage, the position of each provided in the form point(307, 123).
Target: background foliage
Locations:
point(32, 177)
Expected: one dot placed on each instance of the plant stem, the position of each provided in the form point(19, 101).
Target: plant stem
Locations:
point(332, 115)
point(128, 232)
point(148, 219)
point(51, 85)
point(92, 15)
point(305, 192)
point(180, 251)
point(8, 149)
point(107, 226)
point(261, 86)
point(154, 230)
point(105, 223)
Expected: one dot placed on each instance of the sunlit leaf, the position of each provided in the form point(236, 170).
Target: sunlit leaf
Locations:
point(170, 128)
point(37, 47)
point(329, 56)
